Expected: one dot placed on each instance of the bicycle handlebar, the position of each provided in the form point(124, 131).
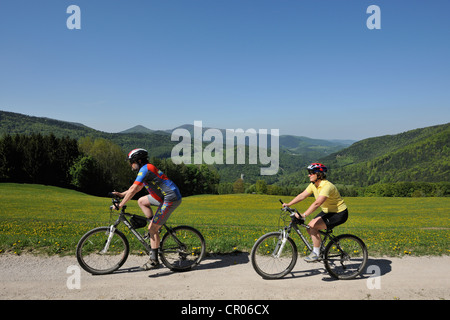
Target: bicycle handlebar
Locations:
point(292, 212)
point(287, 208)
point(116, 200)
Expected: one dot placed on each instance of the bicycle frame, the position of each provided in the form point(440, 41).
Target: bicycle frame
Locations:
point(287, 230)
point(344, 256)
point(181, 248)
point(124, 220)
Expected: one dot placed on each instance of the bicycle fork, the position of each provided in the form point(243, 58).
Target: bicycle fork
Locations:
point(112, 229)
point(280, 245)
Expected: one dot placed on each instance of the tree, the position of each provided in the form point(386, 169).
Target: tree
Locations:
point(36, 158)
point(225, 188)
point(210, 179)
point(87, 176)
point(261, 187)
point(110, 159)
point(238, 186)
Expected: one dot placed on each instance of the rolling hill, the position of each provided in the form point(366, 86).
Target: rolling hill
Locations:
point(157, 142)
point(295, 151)
point(138, 129)
point(416, 155)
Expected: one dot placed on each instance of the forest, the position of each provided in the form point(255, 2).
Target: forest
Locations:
point(97, 166)
point(91, 165)
point(71, 155)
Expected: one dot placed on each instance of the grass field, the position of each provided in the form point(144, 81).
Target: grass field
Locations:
point(44, 219)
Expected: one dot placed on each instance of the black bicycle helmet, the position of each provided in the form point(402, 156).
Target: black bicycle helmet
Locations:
point(137, 154)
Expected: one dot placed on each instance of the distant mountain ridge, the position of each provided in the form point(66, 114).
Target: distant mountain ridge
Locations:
point(297, 154)
point(16, 123)
point(19, 123)
point(137, 129)
point(417, 155)
point(158, 143)
point(297, 145)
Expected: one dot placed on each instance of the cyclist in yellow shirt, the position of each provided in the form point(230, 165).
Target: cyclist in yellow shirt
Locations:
point(334, 210)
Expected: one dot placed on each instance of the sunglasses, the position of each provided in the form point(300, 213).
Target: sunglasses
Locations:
point(311, 172)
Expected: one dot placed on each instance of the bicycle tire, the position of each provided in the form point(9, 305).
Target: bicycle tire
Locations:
point(345, 257)
point(185, 254)
point(93, 260)
point(265, 263)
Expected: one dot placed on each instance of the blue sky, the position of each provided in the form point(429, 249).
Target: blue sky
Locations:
point(309, 68)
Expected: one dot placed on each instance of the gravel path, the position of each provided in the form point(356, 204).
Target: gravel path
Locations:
point(228, 277)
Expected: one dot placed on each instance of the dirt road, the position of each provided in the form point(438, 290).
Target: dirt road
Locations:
point(229, 277)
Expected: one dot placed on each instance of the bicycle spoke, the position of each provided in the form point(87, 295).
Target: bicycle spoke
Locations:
point(345, 257)
point(271, 258)
point(101, 252)
point(182, 248)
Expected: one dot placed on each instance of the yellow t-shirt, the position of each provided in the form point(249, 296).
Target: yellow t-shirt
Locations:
point(334, 202)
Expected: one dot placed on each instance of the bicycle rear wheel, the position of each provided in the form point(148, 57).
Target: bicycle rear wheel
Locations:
point(345, 257)
point(270, 259)
point(97, 255)
point(182, 248)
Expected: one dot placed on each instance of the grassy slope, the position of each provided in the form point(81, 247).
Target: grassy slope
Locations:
point(35, 218)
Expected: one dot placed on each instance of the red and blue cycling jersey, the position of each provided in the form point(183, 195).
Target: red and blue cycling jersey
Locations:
point(157, 184)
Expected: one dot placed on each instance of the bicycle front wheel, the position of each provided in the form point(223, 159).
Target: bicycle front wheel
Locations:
point(182, 248)
point(271, 258)
point(101, 252)
point(345, 257)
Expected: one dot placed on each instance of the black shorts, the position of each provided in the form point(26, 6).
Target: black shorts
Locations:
point(333, 219)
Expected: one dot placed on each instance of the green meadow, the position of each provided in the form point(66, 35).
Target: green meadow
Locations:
point(49, 220)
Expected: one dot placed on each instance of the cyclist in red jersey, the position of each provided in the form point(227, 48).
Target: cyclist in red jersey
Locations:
point(162, 193)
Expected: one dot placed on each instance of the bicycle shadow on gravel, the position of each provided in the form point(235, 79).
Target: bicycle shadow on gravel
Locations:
point(377, 267)
point(374, 268)
point(129, 270)
point(215, 261)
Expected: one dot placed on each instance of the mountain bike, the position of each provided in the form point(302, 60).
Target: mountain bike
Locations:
point(275, 254)
point(105, 249)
